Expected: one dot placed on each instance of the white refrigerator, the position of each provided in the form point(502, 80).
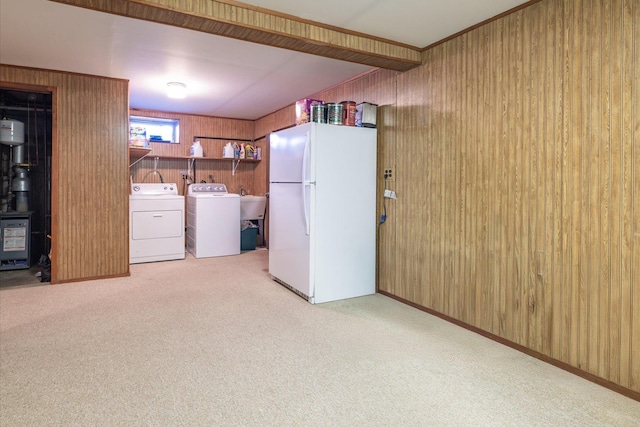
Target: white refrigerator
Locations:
point(322, 210)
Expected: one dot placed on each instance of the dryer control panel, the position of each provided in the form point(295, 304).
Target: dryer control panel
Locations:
point(154, 189)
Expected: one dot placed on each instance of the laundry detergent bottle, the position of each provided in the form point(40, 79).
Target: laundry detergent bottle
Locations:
point(227, 151)
point(196, 150)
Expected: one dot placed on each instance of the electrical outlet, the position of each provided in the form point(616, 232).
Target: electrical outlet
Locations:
point(389, 173)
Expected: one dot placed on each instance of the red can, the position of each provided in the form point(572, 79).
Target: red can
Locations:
point(348, 113)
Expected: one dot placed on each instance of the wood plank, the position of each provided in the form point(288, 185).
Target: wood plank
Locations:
point(584, 229)
point(633, 10)
point(538, 183)
point(596, 316)
point(556, 135)
point(627, 293)
point(616, 193)
point(528, 205)
point(473, 185)
point(574, 188)
point(507, 297)
point(484, 257)
point(565, 203)
point(452, 178)
point(517, 176)
point(498, 164)
point(609, 367)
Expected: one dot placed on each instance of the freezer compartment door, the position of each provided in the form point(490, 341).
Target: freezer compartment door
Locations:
point(289, 243)
point(287, 159)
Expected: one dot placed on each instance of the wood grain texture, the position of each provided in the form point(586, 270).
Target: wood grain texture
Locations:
point(516, 150)
point(522, 138)
point(208, 129)
point(634, 303)
point(89, 172)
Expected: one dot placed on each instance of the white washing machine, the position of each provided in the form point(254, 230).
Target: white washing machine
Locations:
point(213, 221)
point(156, 223)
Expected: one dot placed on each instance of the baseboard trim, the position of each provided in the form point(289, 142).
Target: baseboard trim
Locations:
point(84, 279)
point(547, 359)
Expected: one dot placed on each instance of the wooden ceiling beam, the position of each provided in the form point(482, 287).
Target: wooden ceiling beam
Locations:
point(257, 25)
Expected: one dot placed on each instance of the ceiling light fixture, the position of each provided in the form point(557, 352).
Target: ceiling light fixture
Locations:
point(176, 90)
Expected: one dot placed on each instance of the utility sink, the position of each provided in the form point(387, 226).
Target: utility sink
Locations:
point(252, 207)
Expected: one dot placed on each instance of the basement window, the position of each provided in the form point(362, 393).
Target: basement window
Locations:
point(155, 129)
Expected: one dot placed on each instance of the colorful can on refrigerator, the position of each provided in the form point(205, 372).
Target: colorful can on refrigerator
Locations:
point(334, 113)
point(348, 113)
point(319, 113)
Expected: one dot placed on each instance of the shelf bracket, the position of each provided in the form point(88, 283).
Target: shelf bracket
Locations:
point(234, 166)
point(137, 160)
point(191, 170)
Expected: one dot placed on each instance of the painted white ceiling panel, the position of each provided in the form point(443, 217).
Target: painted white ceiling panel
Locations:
point(224, 77)
point(417, 23)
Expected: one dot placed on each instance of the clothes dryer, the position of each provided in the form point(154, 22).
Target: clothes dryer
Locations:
point(156, 223)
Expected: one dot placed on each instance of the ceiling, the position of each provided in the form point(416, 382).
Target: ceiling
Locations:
point(225, 77)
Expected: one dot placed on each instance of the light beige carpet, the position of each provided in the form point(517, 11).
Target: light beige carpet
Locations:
point(216, 342)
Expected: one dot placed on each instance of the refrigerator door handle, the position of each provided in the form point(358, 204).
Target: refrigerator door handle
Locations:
point(305, 182)
point(305, 207)
point(305, 156)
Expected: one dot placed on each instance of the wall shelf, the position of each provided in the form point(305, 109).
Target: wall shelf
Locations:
point(207, 158)
point(138, 153)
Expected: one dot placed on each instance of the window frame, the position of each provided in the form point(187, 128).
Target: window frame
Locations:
point(143, 121)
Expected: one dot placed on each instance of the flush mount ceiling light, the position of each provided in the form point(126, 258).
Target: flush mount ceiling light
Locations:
point(176, 90)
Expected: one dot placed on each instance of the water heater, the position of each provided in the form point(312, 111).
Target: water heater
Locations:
point(11, 132)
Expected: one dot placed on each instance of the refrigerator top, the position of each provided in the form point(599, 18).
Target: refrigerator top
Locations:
point(290, 148)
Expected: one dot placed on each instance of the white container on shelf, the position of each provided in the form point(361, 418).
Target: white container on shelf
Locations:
point(196, 150)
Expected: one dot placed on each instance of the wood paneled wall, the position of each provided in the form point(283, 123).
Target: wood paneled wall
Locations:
point(90, 232)
point(192, 126)
point(281, 119)
point(518, 181)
